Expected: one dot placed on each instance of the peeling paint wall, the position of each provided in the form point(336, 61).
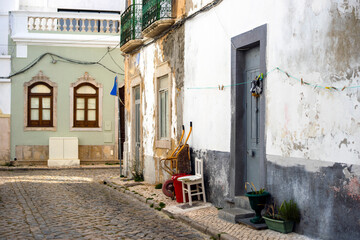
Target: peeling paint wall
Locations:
point(169, 50)
point(316, 129)
point(328, 196)
point(313, 40)
point(321, 51)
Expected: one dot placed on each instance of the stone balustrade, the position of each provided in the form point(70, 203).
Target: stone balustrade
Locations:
point(78, 23)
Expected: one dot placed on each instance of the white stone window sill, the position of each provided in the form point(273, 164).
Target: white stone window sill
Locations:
point(77, 129)
point(53, 129)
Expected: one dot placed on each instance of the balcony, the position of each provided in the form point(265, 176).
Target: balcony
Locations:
point(131, 37)
point(65, 29)
point(157, 16)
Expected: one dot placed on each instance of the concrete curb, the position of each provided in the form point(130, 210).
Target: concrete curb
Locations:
point(184, 219)
point(54, 169)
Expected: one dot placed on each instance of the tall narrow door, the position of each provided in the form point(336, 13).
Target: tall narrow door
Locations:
point(252, 69)
point(122, 119)
point(137, 128)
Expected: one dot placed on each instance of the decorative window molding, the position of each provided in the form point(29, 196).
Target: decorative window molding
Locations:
point(86, 80)
point(163, 106)
point(48, 122)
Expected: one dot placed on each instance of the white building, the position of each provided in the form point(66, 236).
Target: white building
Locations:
point(299, 139)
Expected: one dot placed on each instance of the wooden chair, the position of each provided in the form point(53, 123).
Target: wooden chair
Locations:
point(197, 180)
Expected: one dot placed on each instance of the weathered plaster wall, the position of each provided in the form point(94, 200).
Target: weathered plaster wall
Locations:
point(64, 74)
point(216, 177)
point(313, 40)
point(4, 139)
point(321, 51)
point(327, 196)
point(169, 50)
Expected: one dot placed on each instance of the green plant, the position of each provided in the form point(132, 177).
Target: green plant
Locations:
point(289, 211)
point(9, 164)
point(152, 205)
point(162, 205)
point(253, 189)
point(122, 176)
point(138, 176)
point(158, 186)
point(271, 212)
point(149, 199)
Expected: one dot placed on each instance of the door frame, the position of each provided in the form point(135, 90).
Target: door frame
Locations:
point(135, 82)
point(238, 144)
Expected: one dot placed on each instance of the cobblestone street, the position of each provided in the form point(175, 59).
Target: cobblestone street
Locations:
point(71, 204)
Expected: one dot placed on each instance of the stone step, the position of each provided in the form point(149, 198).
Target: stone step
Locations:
point(242, 202)
point(233, 215)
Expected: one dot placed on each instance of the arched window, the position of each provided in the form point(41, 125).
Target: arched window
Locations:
point(40, 105)
point(86, 106)
point(40, 102)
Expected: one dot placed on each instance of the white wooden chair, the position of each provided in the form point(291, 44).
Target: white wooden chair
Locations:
point(197, 180)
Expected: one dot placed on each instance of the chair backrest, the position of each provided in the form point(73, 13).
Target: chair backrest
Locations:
point(198, 167)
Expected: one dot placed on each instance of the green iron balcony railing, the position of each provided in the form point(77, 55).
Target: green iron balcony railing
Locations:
point(131, 24)
point(154, 10)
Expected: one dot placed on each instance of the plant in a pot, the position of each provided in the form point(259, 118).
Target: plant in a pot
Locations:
point(257, 201)
point(284, 220)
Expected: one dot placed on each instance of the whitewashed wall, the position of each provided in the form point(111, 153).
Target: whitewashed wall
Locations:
point(308, 39)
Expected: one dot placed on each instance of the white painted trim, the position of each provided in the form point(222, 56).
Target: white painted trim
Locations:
point(73, 40)
point(5, 80)
point(5, 56)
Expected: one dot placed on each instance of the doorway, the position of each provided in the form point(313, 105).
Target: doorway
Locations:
point(137, 127)
point(122, 119)
point(247, 149)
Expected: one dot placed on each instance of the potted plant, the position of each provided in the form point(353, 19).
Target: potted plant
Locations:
point(284, 220)
point(257, 201)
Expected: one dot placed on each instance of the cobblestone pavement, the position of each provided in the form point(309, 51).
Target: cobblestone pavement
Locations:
point(207, 216)
point(71, 204)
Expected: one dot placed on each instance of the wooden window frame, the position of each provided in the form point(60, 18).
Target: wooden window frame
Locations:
point(86, 123)
point(163, 70)
point(86, 78)
point(40, 123)
point(40, 78)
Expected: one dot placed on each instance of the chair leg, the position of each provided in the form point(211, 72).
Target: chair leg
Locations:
point(183, 192)
point(197, 191)
point(203, 191)
point(189, 194)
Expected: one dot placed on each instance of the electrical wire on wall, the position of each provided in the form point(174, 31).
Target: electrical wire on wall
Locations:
point(56, 57)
